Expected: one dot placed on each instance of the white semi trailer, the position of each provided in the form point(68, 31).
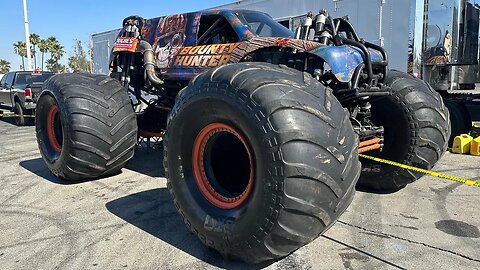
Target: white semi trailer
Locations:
point(102, 44)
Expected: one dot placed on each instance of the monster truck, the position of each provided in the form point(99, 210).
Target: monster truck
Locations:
point(262, 126)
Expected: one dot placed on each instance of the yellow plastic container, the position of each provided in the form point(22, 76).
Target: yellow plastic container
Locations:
point(461, 144)
point(475, 147)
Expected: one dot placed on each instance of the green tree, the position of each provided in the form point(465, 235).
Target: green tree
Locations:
point(20, 49)
point(34, 40)
point(50, 41)
point(4, 66)
point(79, 61)
point(56, 53)
point(54, 66)
point(43, 46)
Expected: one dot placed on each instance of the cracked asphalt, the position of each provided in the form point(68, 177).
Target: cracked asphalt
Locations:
point(128, 221)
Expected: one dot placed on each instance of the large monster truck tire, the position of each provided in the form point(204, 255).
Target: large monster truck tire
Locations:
point(85, 126)
point(417, 129)
point(460, 119)
point(260, 159)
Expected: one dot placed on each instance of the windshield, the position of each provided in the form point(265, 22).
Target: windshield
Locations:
point(29, 78)
point(263, 25)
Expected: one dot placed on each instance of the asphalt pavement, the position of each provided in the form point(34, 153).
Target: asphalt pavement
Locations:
point(128, 221)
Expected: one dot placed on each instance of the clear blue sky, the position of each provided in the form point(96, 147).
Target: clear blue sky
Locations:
point(78, 19)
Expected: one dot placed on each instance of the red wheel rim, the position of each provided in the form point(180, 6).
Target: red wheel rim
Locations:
point(200, 175)
point(52, 137)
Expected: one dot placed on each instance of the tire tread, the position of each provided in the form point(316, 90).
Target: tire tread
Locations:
point(101, 120)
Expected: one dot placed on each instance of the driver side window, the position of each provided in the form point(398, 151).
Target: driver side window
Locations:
point(7, 80)
point(4, 79)
point(215, 29)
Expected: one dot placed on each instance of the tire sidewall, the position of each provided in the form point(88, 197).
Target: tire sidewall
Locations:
point(55, 161)
point(204, 217)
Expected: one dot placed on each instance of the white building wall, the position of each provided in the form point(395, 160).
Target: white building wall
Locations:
point(364, 15)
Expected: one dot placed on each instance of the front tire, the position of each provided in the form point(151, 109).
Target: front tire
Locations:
point(260, 159)
point(417, 129)
point(85, 126)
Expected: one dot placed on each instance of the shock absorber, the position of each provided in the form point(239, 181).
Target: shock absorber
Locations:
point(303, 30)
point(321, 35)
point(320, 20)
point(132, 27)
point(371, 136)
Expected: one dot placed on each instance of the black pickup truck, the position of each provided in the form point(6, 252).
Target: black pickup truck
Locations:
point(19, 91)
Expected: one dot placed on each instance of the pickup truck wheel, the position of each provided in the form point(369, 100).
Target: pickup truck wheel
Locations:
point(417, 129)
point(19, 117)
point(85, 126)
point(260, 159)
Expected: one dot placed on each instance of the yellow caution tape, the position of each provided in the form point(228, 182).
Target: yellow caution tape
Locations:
point(432, 173)
point(15, 115)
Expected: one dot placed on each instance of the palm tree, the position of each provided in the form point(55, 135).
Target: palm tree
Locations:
point(50, 41)
point(43, 47)
point(34, 39)
point(56, 53)
point(4, 66)
point(20, 49)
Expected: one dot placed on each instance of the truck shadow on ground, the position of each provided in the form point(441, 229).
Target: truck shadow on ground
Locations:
point(37, 166)
point(148, 162)
point(11, 120)
point(153, 212)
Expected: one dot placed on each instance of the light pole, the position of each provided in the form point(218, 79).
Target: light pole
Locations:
point(27, 35)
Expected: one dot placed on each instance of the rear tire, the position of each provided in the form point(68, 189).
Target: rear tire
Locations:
point(85, 126)
point(19, 118)
point(460, 119)
point(417, 128)
point(260, 159)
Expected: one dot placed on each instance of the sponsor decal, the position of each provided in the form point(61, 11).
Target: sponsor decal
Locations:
point(165, 55)
point(282, 41)
point(128, 44)
point(205, 55)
